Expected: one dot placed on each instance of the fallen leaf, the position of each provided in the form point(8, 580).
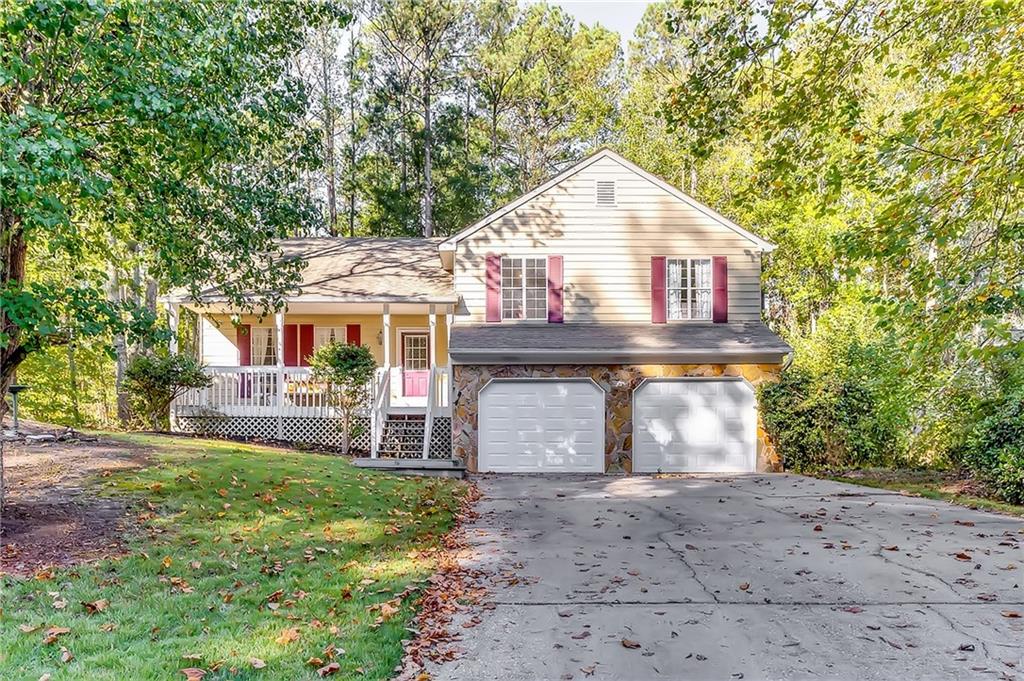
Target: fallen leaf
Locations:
point(891, 548)
point(588, 671)
point(53, 632)
point(93, 607)
point(193, 673)
point(288, 636)
point(257, 663)
point(962, 556)
point(853, 609)
point(1012, 614)
point(581, 635)
point(965, 523)
point(629, 643)
point(744, 586)
point(28, 628)
point(818, 528)
point(328, 669)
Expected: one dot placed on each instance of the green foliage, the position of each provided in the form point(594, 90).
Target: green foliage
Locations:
point(70, 386)
point(348, 371)
point(827, 421)
point(153, 380)
point(163, 136)
point(993, 449)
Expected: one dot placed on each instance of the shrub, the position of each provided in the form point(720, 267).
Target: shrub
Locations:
point(995, 450)
point(153, 380)
point(824, 421)
point(347, 369)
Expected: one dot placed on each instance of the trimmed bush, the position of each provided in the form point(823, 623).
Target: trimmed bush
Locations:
point(152, 381)
point(995, 451)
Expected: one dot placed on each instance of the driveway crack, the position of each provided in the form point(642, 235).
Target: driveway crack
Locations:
point(676, 527)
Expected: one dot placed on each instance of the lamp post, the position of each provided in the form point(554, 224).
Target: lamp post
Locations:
point(14, 390)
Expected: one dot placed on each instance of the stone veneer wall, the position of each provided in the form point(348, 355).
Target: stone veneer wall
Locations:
point(618, 382)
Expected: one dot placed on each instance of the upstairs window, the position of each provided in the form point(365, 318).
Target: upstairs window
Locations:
point(605, 192)
point(689, 288)
point(524, 288)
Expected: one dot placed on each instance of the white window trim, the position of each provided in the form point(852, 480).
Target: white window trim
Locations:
point(689, 288)
point(415, 331)
point(522, 290)
point(252, 343)
point(340, 333)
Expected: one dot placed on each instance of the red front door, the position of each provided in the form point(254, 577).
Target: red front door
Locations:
point(415, 364)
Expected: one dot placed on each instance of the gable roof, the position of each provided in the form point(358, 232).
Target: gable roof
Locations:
point(450, 243)
point(345, 269)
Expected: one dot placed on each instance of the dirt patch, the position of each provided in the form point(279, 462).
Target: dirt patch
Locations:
point(50, 515)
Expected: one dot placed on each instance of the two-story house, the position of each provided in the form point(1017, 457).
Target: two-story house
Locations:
point(605, 321)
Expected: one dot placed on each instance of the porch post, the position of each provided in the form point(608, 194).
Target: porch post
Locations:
point(279, 322)
point(432, 326)
point(449, 317)
point(387, 336)
point(172, 324)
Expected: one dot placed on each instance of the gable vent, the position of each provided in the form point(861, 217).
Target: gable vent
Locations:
point(606, 192)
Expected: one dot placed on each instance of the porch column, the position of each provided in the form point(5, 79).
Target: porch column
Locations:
point(172, 324)
point(449, 317)
point(432, 344)
point(279, 322)
point(387, 335)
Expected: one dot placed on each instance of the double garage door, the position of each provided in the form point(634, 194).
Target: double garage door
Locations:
point(557, 425)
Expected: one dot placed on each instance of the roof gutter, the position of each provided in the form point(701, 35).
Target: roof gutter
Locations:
point(617, 356)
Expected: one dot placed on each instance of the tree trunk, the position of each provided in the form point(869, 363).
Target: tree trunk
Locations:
point(76, 414)
point(120, 351)
point(428, 186)
point(12, 275)
point(329, 155)
point(351, 134)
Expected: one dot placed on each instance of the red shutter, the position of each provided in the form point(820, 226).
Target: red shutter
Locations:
point(493, 287)
point(243, 339)
point(658, 301)
point(291, 345)
point(719, 289)
point(555, 289)
point(352, 332)
point(305, 344)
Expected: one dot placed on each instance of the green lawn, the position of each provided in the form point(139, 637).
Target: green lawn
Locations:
point(930, 484)
point(243, 556)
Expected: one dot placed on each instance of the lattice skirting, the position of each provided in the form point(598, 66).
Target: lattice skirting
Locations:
point(441, 438)
point(297, 429)
point(305, 430)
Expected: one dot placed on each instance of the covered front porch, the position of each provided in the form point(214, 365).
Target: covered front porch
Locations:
point(262, 386)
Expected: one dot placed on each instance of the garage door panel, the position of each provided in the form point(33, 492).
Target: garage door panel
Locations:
point(542, 425)
point(706, 425)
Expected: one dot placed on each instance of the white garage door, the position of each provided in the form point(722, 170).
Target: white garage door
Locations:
point(694, 426)
point(541, 426)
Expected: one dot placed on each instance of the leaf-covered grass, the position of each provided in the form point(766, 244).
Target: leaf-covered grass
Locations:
point(220, 529)
point(930, 484)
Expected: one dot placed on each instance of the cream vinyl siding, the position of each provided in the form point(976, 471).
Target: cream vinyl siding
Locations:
point(607, 250)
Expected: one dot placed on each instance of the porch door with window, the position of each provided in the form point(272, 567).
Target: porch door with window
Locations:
point(415, 364)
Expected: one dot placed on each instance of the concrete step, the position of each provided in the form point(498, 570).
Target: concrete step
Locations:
point(448, 468)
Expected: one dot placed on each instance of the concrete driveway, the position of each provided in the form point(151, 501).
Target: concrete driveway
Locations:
point(751, 577)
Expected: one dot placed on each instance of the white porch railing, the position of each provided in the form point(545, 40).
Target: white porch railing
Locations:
point(258, 391)
point(291, 392)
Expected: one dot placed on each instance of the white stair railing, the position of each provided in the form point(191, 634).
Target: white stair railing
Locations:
point(379, 411)
point(428, 417)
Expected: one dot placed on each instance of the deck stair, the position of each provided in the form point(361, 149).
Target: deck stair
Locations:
point(403, 436)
